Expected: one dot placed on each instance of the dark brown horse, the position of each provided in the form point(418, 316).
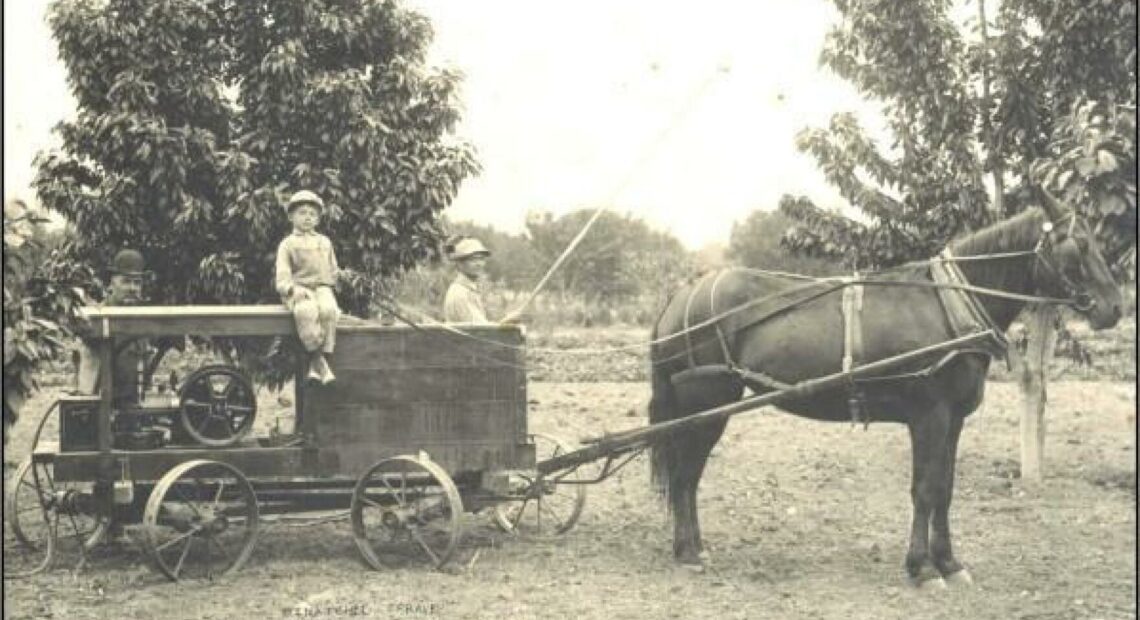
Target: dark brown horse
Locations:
point(797, 332)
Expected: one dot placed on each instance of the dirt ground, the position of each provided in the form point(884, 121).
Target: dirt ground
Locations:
point(802, 519)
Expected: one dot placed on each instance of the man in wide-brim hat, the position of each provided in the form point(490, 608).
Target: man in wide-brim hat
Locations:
point(463, 302)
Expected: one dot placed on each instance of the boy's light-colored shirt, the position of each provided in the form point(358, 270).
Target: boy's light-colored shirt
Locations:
point(305, 259)
point(463, 302)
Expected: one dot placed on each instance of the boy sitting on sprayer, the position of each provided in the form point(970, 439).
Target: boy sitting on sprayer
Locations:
point(306, 273)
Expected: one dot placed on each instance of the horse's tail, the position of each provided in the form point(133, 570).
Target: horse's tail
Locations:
point(662, 407)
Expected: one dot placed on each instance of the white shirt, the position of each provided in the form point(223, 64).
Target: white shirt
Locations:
point(463, 302)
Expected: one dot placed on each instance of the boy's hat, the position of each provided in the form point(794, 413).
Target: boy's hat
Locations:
point(128, 262)
point(304, 197)
point(469, 247)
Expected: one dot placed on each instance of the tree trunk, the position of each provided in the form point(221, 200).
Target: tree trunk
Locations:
point(1040, 323)
point(993, 149)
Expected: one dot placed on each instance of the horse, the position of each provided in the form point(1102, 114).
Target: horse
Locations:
point(762, 332)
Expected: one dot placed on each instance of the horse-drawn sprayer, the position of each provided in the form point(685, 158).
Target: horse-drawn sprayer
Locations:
point(427, 422)
point(424, 425)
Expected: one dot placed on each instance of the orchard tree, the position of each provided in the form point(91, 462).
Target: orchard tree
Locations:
point(1049, 98)
point(928, 187)
point(999, 99)
point(1064, 99)
point(621, 257)
point(197, 118)
point(755, 242)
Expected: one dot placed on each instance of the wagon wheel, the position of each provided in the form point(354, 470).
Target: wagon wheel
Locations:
point(406, 509)
point(44, 517)
point(217, 405)
point(200, 521)
point(549, 508)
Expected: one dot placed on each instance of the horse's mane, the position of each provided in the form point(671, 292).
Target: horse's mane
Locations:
point(1020, 232)
point(1017, 233)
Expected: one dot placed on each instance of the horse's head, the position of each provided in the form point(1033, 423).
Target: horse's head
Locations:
point(1071, 265)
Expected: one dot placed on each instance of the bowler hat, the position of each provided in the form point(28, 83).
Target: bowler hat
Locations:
point(128, 262)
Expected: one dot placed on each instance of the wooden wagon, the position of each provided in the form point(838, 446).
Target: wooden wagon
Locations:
point(422, 425)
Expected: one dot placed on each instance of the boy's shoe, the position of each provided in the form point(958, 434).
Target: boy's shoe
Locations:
point(326, 373)
point(317, 368)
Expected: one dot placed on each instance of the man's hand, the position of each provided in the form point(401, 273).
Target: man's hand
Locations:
point(513, 318)
point(301, 293)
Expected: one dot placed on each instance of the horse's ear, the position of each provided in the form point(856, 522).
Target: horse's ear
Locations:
point(1054, 208)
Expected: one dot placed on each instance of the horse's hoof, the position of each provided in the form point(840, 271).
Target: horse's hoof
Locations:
point(959, 579)
point(696, 569)
point(927, 584)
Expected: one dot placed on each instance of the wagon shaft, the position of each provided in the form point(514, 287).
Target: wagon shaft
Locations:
point(618, 443)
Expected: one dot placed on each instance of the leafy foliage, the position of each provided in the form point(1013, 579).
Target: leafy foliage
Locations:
point(927, 187)
point(198, 117)
point(1066, 100)
point(41, 295)
point(1063, 78)
point(1094, 168)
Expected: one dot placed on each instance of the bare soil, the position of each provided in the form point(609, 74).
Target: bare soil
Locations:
point(802, 519)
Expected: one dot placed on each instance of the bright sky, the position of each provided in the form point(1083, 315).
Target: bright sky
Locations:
point(682, 115)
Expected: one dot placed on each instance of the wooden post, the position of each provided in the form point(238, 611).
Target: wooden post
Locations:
point(1042, 337)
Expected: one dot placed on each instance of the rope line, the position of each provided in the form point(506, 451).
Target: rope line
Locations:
point(837, 281)
point(646, 154)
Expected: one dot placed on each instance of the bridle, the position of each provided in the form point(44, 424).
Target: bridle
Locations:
point(1045, 258)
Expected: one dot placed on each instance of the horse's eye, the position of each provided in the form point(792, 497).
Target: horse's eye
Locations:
point(1075, 268)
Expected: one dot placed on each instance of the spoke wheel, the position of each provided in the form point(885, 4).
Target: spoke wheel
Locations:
point(217, 406)
point(548, 509)
point(200, 521)
point(406, 510)
point(45, 518)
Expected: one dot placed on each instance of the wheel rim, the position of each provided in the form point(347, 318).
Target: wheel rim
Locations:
point(217, 405)
point(45, 517)
point(200, 521)
point(28, 542)
point(406, 510)
point(549, 509)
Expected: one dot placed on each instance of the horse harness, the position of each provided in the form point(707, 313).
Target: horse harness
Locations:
point(964, 314)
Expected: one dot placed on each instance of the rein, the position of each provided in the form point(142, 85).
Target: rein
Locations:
point(837, 283)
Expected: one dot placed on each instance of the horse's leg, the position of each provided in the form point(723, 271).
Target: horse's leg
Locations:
point(929, 431)
point(691, 455)
point(941, 551)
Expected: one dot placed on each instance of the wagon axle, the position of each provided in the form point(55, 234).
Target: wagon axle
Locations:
point(184, 518)
point(70, 502)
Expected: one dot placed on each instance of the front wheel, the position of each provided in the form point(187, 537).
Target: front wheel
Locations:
point(200, 521)
point(551, 505)
point(45, 517)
